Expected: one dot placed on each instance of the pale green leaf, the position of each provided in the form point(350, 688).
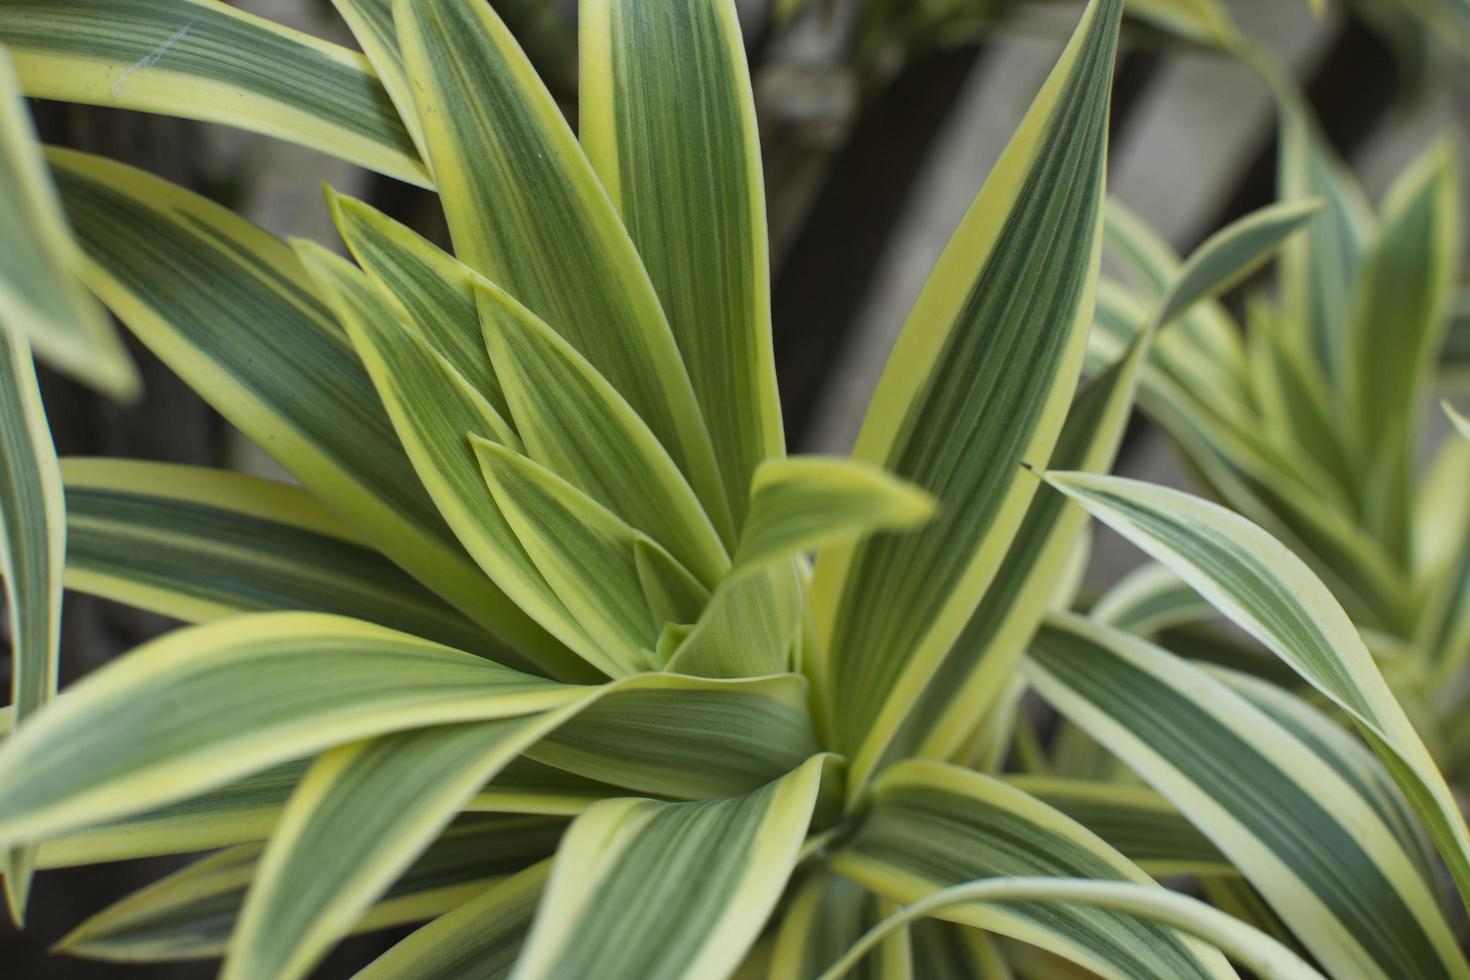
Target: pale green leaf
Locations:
point(668, 122)
point(202, 59)
point(1149, 599)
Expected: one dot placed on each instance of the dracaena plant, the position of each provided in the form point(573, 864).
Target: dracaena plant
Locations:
point(535, 653)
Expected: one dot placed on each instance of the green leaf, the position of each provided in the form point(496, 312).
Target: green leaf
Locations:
point(371, 22)
point(971, 678)
point(1459, 421)
point(1149, 599)
point(481, 939)
point(41, 298)
point(1268, 592)
point(584, 552)
point(979, 380)
point(1255, 950)
point(809, 502)
point(199, 545)
point(202, 59)
point(1405, 294)
point(267, 354)
point(827, 914)
point(693, 881)
point(1233, 253)
point(191, 913)
point(1319, 270)
point(931, 825)
point(668, 123)
point(434, 411)
point(528, 212)
point(1143, 825)
point(686, 737)
point(32, 551)
point(434, 290)
point(748, 627)
point(207, 704)
point(1314, 848)
point(576, 424)
point(357, 821)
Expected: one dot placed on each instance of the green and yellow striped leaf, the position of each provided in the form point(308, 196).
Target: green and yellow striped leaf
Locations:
point(930, 825)
point(808, 502)
point(32, 551)
point(1255, 950)
point(263, 350)
point(435, 411)
point(202, 59)
point(1142, 824)
point(198, 545)
point(979, 381)
point(576, 424)
point(1405, 294)
point(192, 913)
point(41, 298)
point(434, 290)
point(481, 939)
point(965, 689)
point(826, 915)
point(207, 704)
point(668, 123)
point(749, 624)
point(1315, 848)
point(1461, 424)
point(357, 821)
point(1268, 592)
point(527, 211)
point(371, 22)
point(584, 553)
point(1320, 270)
point(1149, 599)
point(694, 882)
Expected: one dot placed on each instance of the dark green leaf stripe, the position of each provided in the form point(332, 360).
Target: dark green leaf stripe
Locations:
point(204, 60)
point(668, 122)
point(192, 913)
point(265, 352)
point(988, 394)
point(827, 914)
point(371, 22)
point(1304, 837)
point(971, 677)
point(211, 703)
point(527, 211)
point(480, 940)
point(932, 825)
point(200, 544)
point(434, 289)
point(32, 550)
point(1144, 826)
